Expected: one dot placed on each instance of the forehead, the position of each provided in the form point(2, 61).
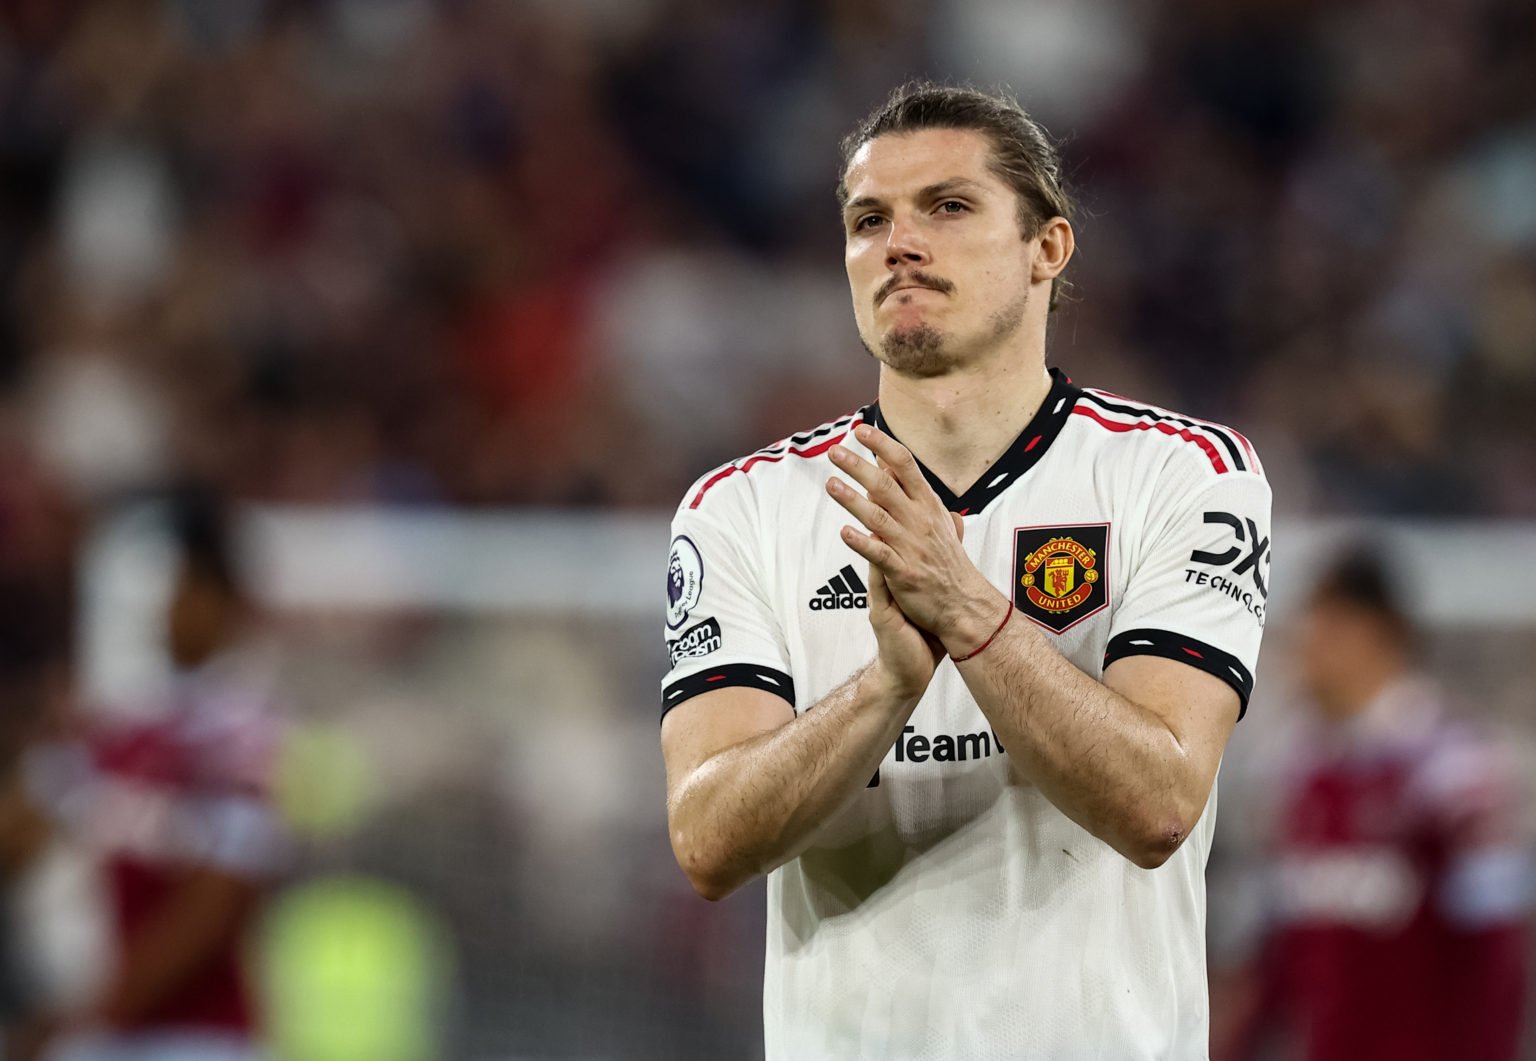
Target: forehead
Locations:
point(902, 163)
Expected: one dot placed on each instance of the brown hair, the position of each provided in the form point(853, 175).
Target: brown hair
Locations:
point(1023, 156)
point(1360, 578)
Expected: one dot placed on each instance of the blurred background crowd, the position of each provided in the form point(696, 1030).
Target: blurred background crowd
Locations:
point(464, 252)
point(477, 255)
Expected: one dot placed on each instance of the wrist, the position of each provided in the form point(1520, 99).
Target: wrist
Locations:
point(974, 622)
point(884, 687)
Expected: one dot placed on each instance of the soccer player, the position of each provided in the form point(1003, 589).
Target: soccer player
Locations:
point(177, 806)
point(956, 671)
point(1404, 880)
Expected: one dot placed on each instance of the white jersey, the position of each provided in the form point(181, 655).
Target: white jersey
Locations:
point(950, 910)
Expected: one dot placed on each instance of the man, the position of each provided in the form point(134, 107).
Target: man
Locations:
point(985, 832)
point(1403, 881)
point(177, 806)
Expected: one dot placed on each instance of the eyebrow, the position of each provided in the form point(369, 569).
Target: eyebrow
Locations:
point(932, 191)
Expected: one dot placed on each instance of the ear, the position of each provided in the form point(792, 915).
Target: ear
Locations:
point(1056, 246)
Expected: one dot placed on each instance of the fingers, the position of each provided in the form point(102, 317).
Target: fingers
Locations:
point(883, 609)
point(863, 509)
point(879, 483)
point(898, 509)
point(870, 548)
point(897, 459)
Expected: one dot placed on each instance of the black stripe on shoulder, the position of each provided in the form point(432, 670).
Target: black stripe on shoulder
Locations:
point(778, 449)
point(1152, 414)
point(774, 450)
point(724, 677)
point(824, 429)
point(784, 444)
point(1167, 645)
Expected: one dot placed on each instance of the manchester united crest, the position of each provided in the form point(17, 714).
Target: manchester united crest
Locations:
point(1061, 574)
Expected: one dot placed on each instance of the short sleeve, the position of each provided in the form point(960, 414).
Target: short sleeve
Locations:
point(720, 629)
point(1199, 590)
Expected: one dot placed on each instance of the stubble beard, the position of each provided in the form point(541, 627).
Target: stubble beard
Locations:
point(924, 352)
point(919, 351)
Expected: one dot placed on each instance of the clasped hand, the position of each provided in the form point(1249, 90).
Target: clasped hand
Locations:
point(913, 543)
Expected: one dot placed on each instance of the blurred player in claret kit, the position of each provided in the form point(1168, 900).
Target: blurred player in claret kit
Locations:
point(1403, 878)
point(176, 806)
point(956, 671)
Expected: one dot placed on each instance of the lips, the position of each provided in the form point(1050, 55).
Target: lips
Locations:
point(890, 288)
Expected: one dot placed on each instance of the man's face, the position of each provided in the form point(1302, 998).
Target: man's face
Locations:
point(937, 265)
point(201, 620)
point(1336, 639)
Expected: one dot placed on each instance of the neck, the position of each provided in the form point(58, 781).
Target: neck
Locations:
point(959, 423)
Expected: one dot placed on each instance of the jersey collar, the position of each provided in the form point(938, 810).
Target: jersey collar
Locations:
point(1024, 453)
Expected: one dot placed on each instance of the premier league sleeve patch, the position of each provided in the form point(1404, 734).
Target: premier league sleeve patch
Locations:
point(685, 581)
point(1061, 574)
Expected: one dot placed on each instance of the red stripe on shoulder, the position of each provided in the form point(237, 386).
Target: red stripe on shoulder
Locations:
point(771, 458)
point(1253, 458)
point(1161, 426)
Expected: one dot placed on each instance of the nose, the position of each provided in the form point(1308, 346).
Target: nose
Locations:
point(905, 245)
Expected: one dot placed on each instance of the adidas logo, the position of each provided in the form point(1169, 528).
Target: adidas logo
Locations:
point(843, 590)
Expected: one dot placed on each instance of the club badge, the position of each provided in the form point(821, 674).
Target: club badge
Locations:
point(1061, 574)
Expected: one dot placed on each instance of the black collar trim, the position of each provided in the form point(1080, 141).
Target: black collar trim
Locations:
point(1019, 458)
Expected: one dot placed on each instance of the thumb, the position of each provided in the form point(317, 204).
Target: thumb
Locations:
point(959, 525)
point(879, 592)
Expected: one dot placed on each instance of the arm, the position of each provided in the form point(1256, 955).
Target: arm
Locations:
point(749, 783)
point(1131, 759)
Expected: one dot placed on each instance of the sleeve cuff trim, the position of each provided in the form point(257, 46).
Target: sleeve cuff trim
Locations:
point(1168, 645)
point(724, 677)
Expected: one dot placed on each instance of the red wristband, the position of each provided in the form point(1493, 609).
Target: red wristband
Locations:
point(972, 655)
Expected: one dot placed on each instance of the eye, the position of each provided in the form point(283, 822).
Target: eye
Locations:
point(866, 222)
point(953, 206)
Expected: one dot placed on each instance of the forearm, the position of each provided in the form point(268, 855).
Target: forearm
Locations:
point(1107, 763)
point(755, 805)
point(1136, 774)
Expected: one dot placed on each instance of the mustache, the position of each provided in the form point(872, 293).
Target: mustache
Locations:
point(921, 279)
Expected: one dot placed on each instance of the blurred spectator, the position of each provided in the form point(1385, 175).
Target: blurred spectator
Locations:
point(237, 243)
point(1403, 878)
point(172, 799)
